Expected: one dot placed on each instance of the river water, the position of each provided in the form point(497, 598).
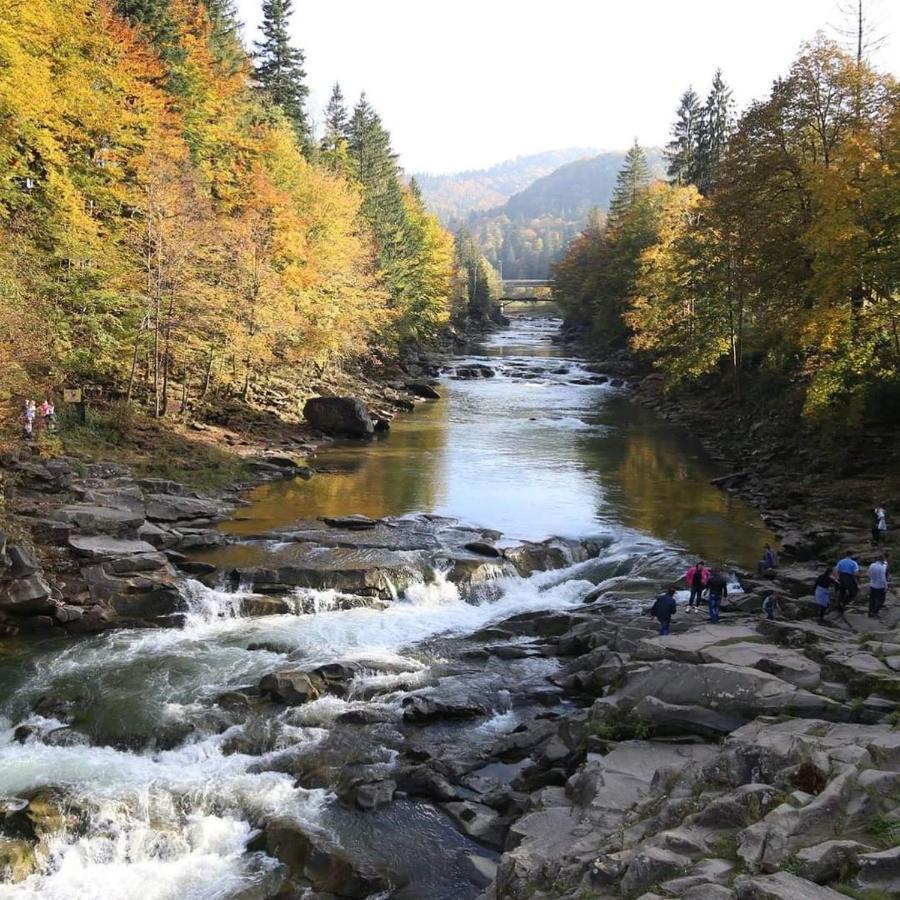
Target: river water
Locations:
point(162, 789)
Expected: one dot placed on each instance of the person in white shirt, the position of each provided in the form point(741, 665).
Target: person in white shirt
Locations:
point(879, 524)
point(877, 585)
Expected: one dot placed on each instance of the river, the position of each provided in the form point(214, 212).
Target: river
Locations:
point(162, 786)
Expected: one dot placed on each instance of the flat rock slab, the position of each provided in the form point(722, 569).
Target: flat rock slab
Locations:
point(173, 508)
point(782, 886)
point(103, 547)
point(100, 519)
point(689, 646)
point(787, 664)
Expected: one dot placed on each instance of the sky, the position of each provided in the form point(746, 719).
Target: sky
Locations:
point(469, 83)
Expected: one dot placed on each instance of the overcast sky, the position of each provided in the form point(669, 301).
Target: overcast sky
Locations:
point(468, 83)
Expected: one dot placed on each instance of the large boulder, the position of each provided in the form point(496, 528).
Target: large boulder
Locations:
point(782, 886)
point(291, 686)
point(339, 415)
point(26, 596)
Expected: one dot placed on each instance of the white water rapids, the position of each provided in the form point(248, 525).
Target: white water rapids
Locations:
point(174, 823)
point(159, 793)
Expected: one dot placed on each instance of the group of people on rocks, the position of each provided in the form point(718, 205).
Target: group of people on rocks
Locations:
point(44, 416)
point(842, 579)
point(704, 584)
point(710, 584)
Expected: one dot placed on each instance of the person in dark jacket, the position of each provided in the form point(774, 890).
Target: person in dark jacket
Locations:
point(664, 608)
point(716, 592)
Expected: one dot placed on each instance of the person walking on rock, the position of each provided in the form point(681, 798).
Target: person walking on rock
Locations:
point(879, 524)
point(696, 578)
point(716, 592)
point(878, 572)
point(848, 588)
point(769, 560)
point(822, 592)
point(664, 608)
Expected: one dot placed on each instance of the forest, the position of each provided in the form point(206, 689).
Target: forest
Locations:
point(171, 230)
point(771, 255)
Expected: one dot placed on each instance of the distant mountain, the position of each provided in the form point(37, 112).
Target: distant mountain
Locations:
point(529, 232)
point(454, 197)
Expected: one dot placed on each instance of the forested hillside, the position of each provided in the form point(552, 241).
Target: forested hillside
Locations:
point(530, 231)
point(453, 197)
point(772, 253)
point(167, 227)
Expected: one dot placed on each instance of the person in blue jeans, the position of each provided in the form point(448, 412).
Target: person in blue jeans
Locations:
point(663, 609)
point(716, 592)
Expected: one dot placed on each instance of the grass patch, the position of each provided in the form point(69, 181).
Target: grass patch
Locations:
point(885, 830)
point(725, 846)
point(151, 448)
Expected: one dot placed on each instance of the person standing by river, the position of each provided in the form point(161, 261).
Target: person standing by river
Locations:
point(877, 585)
point(716, 592)
point(696, 577)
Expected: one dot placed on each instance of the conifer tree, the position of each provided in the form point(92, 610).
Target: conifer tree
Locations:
point(336, 122)
point(279, 66)
point(717, 123)
point(632, 180)
point(682, 151)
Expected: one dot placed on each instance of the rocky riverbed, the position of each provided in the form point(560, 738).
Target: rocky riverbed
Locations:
point(414, 706)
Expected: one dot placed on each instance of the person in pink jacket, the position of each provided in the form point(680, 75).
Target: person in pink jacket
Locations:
point(696, 578)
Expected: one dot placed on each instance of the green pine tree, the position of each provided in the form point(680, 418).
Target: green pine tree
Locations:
point(717, 123)
point(682, 151)
point(631, 182)
point(279, 66)
point(337, 126)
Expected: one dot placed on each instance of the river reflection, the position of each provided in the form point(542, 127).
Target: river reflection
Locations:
point(531, 454)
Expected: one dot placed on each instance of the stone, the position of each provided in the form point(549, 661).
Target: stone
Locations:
point(374, 795)
point(422, 389)
point(101, 547)
point(651, 866)
point(27, 596)
point(782, 886)
point(787, 664)
point(881, 871)
point(829, 861)
point(21, 562)
point(478, 821)
point(161, 538)
point(318, 862)
point(91, 520)
point(352, 523)
point(50, 531)
point(339, 415)
point(17, 860)
point(161, 486)
point(175, 508)
point(689, 646)
point(420, 709)
point(291, 686)
point(482, 548)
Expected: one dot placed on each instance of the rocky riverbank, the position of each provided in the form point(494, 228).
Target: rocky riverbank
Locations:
point(494, 717)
